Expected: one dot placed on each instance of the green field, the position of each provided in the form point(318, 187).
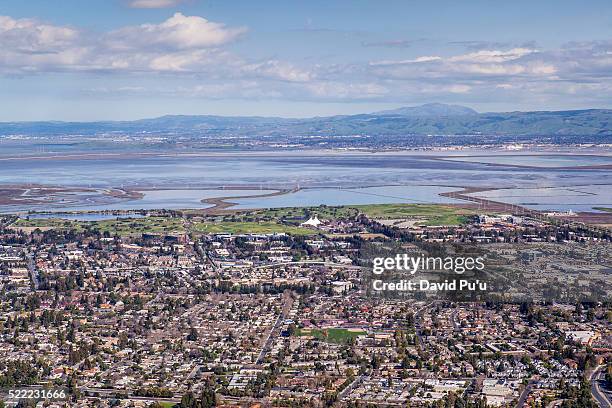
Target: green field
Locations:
point(165, 225)
point(122, 227)
point(323, 212)
point(46, 223)
point(606, 209)
point(431, 214)
point(331, 335)
point(279, 220)
point(139, 226)
point(265, 227)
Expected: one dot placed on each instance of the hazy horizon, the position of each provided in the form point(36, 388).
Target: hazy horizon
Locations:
point(331, 114)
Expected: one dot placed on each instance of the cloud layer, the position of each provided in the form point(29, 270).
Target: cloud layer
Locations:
point(194, 47)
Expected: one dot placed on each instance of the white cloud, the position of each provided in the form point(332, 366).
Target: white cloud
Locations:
point(179, 32)
point(30, 36)
point(542, 68)
point(179, 44)
point(153, 4)
point(278, 70)
point(342, 91)
point(492, 56)
point(407, 61)
point(28, 45)
point(458, 88)
point(178, 62)
point(483, 63)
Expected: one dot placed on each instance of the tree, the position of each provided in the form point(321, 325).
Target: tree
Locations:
point(193, 334)
point(579, 398)
point(208, 398)
point(188, 401)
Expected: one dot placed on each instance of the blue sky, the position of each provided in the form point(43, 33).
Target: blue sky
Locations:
point(130, 59)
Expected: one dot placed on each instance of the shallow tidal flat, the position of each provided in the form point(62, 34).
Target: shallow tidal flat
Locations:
point(577, 198)
point(267, 180)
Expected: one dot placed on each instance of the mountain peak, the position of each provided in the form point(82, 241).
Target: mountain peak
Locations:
point(430, 109)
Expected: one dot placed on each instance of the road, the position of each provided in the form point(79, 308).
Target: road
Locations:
point(525, 394)
point(287, 303)
point(597, 378)
point(350, 387)
point(108, 393)
point(111, 393)
point(32, 269)
point(322, 263)
point(417, 322)
point(455, 320)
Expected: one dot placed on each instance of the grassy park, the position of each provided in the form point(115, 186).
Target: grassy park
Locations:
point(268, 221)
point(122, 226)
point(264, 227)
point(332, 335)
point(323, 212)
point(431, 214)
point(162, 225)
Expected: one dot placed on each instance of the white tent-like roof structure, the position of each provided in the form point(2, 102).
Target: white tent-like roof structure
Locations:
point(312, 222)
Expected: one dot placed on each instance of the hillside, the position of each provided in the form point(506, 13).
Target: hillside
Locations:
point(431, 119)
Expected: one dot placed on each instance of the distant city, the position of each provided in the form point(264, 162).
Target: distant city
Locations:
point(430, 125)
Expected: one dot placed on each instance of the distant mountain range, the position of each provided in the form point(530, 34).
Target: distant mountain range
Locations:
point(429, 119)
point(430, 109)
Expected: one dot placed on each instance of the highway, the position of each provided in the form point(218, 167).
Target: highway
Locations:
point(601, 396)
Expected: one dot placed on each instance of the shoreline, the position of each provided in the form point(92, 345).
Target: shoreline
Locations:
point(222, 205)
point(434, 153)
point(528, 167)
